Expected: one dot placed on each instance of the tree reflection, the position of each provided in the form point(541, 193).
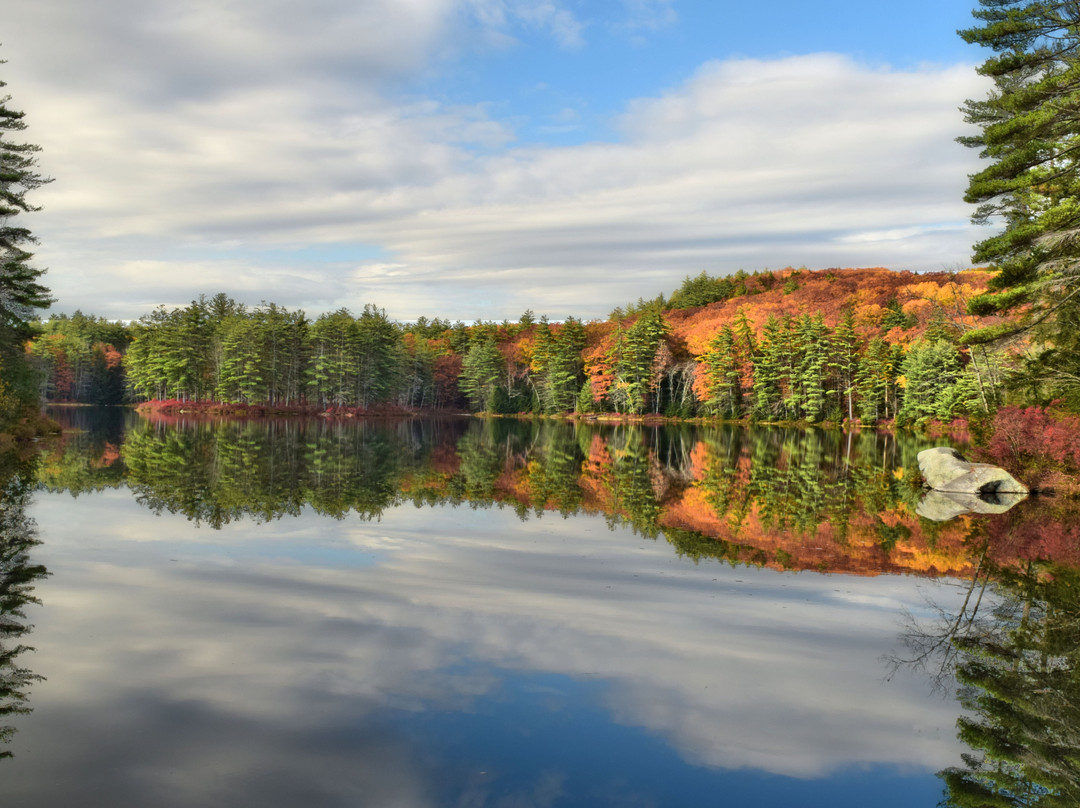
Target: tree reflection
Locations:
point(87, 456)
point(17, 578)
point(931, 646)
point(217, 472)
point(1020, 680)
point(786, 498)
point(1012, 648)
point(792, 499)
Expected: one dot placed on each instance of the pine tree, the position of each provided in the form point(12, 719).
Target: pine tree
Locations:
point(770, 363)
point(380, 357)
point(481, 372)
point(564, 366)
point(875, 381)
point(812, 368)
point(21, 294)
point(936, 383)
point(725, 388)
point(333, 373)
point(844, 362)
point(1029, 126)
point(635, 379)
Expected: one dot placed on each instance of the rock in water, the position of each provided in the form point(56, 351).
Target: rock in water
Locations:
point(945, 469)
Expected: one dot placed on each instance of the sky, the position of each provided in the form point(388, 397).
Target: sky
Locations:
point(471, 159)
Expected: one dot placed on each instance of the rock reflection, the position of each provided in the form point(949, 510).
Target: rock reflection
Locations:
point(941, 506)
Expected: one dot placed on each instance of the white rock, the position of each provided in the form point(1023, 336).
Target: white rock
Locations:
point(945, 469)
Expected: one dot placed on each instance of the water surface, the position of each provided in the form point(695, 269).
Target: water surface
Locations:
point(468, 613)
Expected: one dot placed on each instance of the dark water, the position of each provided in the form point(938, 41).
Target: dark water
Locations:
point(469, 613)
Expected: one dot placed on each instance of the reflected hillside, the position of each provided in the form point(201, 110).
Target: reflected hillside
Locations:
point(800, 499)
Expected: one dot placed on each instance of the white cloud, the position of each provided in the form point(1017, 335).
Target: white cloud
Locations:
point(647, 15)
point(268, 130)
point(549, 16)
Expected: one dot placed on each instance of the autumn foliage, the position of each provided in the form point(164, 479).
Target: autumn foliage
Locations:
point(790, 345)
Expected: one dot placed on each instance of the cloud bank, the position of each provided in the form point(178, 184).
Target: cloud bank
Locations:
point(210, 149)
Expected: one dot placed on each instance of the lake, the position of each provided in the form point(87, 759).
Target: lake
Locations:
point(468, 612)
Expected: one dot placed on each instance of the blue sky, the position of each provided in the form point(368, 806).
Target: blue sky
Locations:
point(474, 158)
point(616, 59)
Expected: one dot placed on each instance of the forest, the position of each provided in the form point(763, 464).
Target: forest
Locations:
point(865, 345)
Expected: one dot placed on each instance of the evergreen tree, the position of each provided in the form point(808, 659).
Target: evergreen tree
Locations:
point(701, 291)
point(21, 293)
point(481, 372)
point(243, 375)
point(810, 382)
point(936, 383)
point(418, 388)
point(875, 381)
point(844, 362)
point(543, 343)
point(562, 374)
point(725, 388)
point(188, 363)
point(1032, 185)
point(769, 370)
point(380, 357)
point(636, 385)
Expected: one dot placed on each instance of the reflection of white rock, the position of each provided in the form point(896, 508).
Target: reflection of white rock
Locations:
point(735, 668)
point(941, 506)
point(945, 469)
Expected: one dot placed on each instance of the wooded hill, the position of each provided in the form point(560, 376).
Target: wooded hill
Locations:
point(835, 344)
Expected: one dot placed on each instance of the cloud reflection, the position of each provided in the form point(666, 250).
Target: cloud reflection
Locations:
point(252, 648)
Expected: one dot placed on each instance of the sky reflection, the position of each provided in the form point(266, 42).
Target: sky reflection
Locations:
point(454, 656)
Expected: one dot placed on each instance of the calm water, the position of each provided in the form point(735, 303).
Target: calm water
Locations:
point(467, 613)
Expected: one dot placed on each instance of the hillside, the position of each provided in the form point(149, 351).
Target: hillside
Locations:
point(787, 345)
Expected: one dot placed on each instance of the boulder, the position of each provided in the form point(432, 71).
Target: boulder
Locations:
point(945, 469)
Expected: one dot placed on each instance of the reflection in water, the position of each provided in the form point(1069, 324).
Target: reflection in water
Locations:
point(1012, 646)
point(791, 499)
point(458, 656)
point(475, 650)
point(1020, 679)
point(17, 578)
point(784, 498)
point(941, 506)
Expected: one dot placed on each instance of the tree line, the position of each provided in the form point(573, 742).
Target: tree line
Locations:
point(885, 364)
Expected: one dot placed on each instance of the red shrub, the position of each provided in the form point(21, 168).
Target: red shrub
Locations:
point(1022, 435)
